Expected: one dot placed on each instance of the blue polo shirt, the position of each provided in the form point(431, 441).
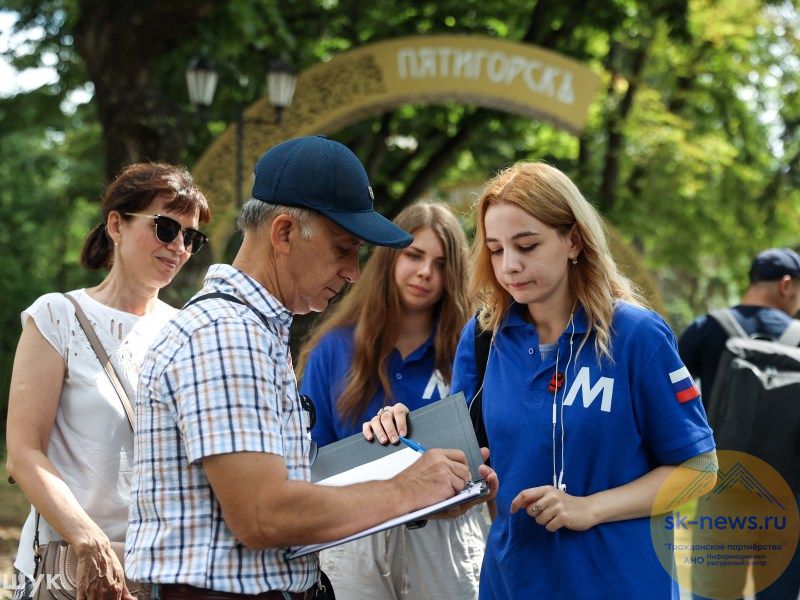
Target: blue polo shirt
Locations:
point(415, 382)
point(621, 420)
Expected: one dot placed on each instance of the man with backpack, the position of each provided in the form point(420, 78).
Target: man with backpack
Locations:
point(748, 361)
point(766, 310)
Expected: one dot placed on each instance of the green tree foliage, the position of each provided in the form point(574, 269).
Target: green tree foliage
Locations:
point(692, 149)
point(50, 169)
point(709, 172)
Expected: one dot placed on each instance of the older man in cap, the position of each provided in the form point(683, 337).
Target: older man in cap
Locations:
point(221, 478)
point(766, 310)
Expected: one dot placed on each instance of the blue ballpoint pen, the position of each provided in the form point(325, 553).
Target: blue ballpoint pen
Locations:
point(412, 444)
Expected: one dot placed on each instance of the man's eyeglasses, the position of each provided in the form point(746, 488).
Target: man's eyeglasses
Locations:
point(308, 405)
point(167, 230)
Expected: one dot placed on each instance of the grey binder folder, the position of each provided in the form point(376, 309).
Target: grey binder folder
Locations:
point(441, 424)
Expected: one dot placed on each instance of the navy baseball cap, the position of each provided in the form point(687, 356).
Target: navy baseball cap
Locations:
point(325, 176)
point(774, 263)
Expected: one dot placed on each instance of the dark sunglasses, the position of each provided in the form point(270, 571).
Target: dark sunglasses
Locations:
point(167, 230)
point(308, 405)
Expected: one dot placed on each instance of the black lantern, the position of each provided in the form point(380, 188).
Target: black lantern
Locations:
point(281, 79)
point(201, 81)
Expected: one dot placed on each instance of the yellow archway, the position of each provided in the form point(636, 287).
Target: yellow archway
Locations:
point(516, 78)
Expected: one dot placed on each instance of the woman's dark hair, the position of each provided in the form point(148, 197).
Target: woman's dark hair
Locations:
point(133, 190)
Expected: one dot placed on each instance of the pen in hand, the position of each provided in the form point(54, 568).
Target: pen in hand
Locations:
point(412, 444)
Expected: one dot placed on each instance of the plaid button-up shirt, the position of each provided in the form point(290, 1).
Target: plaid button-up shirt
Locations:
point(218, 379)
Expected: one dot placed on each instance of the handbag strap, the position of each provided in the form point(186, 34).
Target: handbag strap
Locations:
point(108, 367)
point(37, 553)
point(105, 360)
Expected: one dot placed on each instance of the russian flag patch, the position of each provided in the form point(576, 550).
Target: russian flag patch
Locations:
point(683, 385)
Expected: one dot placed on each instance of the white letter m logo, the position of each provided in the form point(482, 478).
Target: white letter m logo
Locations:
point(588, 393)
point(436, 382)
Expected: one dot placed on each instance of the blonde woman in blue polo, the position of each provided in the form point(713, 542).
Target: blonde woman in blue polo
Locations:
point(587, 405)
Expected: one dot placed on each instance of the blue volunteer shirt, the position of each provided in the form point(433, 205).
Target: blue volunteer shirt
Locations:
point(415, 380)
point(621, 420)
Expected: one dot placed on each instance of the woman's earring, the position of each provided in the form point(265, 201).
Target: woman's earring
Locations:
point(574, 260)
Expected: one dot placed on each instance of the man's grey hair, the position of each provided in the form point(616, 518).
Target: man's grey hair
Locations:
point(255, 213)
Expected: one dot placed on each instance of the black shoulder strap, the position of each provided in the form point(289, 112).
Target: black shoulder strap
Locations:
point(483, 342)
point(231, 298)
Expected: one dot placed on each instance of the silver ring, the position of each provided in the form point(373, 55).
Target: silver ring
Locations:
point(535, 508)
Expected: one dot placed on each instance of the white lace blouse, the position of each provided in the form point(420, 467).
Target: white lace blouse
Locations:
point(91, 443)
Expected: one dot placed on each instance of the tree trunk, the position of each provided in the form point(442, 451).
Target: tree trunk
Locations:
point(616, 138)
point(120, 44)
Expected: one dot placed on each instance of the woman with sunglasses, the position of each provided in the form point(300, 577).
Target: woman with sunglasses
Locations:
point(391, 341)
point(69, 441)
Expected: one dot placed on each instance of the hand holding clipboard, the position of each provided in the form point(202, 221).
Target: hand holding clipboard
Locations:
point(445, 428)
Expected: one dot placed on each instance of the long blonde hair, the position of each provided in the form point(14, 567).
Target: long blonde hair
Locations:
point(373, 308)
point(550, 196)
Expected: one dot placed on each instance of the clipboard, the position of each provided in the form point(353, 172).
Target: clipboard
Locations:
point(442, 424)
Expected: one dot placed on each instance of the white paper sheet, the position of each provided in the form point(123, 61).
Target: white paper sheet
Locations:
point(377, 470)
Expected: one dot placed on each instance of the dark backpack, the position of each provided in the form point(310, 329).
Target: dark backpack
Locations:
point(755, 404)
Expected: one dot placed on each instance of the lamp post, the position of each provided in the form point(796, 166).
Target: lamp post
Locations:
point(281, 79)
point(201, 82)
